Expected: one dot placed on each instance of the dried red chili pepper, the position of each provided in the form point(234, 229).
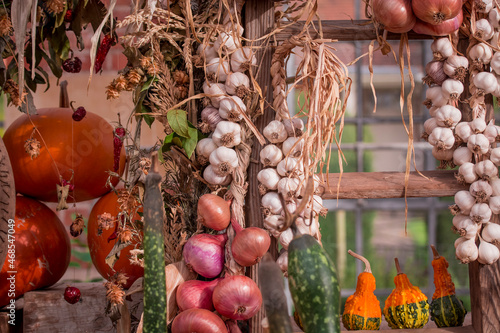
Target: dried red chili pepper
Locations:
point(119, 136)
point(102, 52)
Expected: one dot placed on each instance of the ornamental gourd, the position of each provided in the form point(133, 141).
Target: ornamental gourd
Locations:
point(362, 309)
point(406, 306)
point(446, 309)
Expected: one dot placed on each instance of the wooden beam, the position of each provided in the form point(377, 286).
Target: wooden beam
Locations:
point(259, 21)
point(345, 30)
point(484, 282)
point(381, 185)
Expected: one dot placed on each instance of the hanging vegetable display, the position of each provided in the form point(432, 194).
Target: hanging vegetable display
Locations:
point(446, 309)
point(406, 306)
point(362, 309)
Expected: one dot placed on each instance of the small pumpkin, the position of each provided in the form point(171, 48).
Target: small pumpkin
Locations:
point(362, 309)
point(406, 306)
point(446, 309)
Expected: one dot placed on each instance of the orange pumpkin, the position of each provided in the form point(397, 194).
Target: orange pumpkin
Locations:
point(41, 250)
point(79, 149)
point(101, 245)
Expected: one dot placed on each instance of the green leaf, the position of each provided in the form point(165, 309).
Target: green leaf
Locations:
point(148, 83)
point(147, 118)
point(189, 144)
point(177, 119)
point(177, 141)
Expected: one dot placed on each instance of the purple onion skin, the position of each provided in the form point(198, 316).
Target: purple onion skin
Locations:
point(204, 254)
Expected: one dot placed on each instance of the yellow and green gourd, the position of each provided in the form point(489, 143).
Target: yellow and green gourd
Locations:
point(446, 309)
point(362, 309)
point(406, 306)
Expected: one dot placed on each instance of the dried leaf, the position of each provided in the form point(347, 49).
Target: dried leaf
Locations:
point(123, 324)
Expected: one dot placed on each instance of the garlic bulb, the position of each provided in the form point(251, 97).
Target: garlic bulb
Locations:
point(494, 18)
point(271, 204)
point(435, 73)
point(226, 42)
point(484, 6)
point(448, 115)
point(463, 131)
point(495, 62)
point(485, 82)
point(294, 127)
point(306, 226)
point(491, 233)
point(478, 144)
point(207, 52)
point(478, 125)
point(442, 48)
point(456, 67)
point(464, 201)
point(242, 59)
point(429, 125)
point(217, 70)
point(442, 138)
point(480, 213)
point(461, 222)
point(285, 238)
point(452, 89)
point(270, 155)
point(443, 155)
point(293, 147)
point(238, 84)
point(494, 203)
point(484, 29)
point(462, 155)
point(495, 156)
point(481, 190)
point(273, 223)
point(227, 134)
point(492, 132)
point(486, 170)
point(269, 178)
point(232, 108)
point(209, 119)
point(288, 187)
point(290, 167)
point(481, 54)
point(467, 251)
point(465, 227)
point(212, 178)
point(315, 207)
point(495, 187)
point(282, 262)
point(223, 160)
point(275, 132)
point(488, 253)
point(204, 148)
point(215, 91)
point(466, 173)
point(459, 241)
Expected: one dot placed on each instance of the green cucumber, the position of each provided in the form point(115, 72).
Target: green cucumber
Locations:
point(272, 290)
point(314, 286)
point(155, 299)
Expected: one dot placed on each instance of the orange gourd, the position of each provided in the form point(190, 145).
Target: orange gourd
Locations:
point(446, 309)
point(362, 309)
point(406, 306)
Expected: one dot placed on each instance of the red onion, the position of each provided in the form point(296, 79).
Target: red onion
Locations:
point(204, 254)
point(196, 294)
point(396, 15)
point(249, 244)
point(232, 326)
point(198, 320)
point(442, 29)
point(237, 297)
point(436, 11)
point(213, 212)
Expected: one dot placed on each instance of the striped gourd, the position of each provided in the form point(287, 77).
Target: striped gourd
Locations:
point(155, 303)
point(446, 309)
point(406, 306)
point(362, 309)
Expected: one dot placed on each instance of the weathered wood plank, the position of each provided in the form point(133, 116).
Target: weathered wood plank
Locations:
point(380, 185)
point(346, 30)
point(259, 21)
point(5, 327)
point(7, 199)
point(47, 311)
point(484, 284)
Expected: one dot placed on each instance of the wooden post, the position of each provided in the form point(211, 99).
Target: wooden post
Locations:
point(259, 20)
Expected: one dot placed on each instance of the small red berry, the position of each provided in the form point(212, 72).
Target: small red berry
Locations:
point(79, 113)
point(72, 295)
point(68, 17)
point(72, 65)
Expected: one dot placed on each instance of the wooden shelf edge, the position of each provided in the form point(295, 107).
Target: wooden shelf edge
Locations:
point(384, 185)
